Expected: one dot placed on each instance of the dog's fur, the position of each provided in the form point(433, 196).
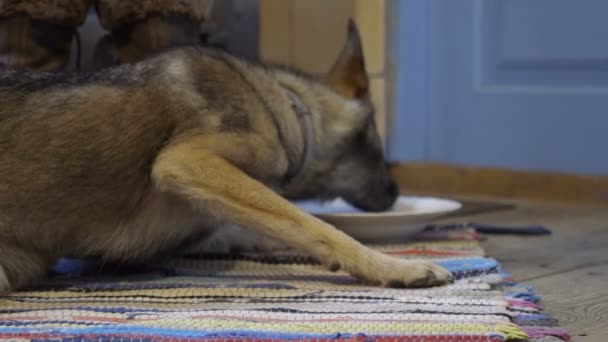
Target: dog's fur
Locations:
point(131, 163)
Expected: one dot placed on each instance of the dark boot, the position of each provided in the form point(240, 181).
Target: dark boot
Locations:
point(141, 28)
point(37, 34)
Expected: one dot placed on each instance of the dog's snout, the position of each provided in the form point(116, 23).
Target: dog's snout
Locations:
point(392, 189)
point(376, 197)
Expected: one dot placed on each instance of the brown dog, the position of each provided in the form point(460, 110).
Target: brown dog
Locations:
point(130, 163)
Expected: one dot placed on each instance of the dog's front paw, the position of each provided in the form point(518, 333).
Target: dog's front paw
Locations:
point(413, 274)
point(381, 269)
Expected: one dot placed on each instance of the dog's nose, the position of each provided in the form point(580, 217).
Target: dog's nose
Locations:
point(393, 189)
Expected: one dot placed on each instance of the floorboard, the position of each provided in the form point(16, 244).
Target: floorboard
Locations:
point(569, 268)
point(579, 299)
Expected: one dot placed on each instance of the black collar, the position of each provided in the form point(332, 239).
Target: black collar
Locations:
point(304, 116)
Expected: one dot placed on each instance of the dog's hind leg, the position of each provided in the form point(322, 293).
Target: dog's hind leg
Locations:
point(19, 267)
point(215, 186)
point(4, 284)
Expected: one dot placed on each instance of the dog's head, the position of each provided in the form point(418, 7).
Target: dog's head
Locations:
point(351, 161)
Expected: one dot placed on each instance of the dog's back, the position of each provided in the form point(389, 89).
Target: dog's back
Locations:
point(70, 146)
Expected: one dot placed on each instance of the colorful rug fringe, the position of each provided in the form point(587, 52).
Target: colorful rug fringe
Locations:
point(279, 297)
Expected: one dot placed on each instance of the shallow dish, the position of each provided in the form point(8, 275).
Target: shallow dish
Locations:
point(407, 217)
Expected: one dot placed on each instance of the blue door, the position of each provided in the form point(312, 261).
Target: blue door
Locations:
point(515, 84)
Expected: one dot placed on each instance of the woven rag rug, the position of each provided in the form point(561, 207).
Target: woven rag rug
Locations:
point(279, 297)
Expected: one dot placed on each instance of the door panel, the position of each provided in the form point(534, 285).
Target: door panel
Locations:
point(542, 43)
point(510, 83)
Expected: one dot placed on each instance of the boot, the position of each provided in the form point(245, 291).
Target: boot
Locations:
point(141, 28)
point(37, 34)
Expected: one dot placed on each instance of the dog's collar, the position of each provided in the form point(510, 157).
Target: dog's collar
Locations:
point(308, 133)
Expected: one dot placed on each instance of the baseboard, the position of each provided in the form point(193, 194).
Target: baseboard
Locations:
point(452, 180)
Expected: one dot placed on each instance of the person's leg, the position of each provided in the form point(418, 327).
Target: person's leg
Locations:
point(37, 34)
point(141, 28)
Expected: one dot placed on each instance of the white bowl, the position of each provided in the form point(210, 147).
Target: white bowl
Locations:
point(406, 218)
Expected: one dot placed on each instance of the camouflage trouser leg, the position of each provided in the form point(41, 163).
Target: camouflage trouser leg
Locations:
point(140, 28)
point(37, 34)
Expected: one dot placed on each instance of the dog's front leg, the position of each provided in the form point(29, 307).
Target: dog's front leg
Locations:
point(213, 185)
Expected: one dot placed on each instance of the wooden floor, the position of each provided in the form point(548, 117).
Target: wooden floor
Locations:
point(569, 269)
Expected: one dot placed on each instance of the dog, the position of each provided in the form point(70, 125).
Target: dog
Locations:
point(130, 163)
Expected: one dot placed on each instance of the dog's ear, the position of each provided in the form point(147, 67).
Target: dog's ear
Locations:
point(348, 76)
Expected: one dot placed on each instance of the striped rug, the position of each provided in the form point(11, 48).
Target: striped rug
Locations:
point(278, 297)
